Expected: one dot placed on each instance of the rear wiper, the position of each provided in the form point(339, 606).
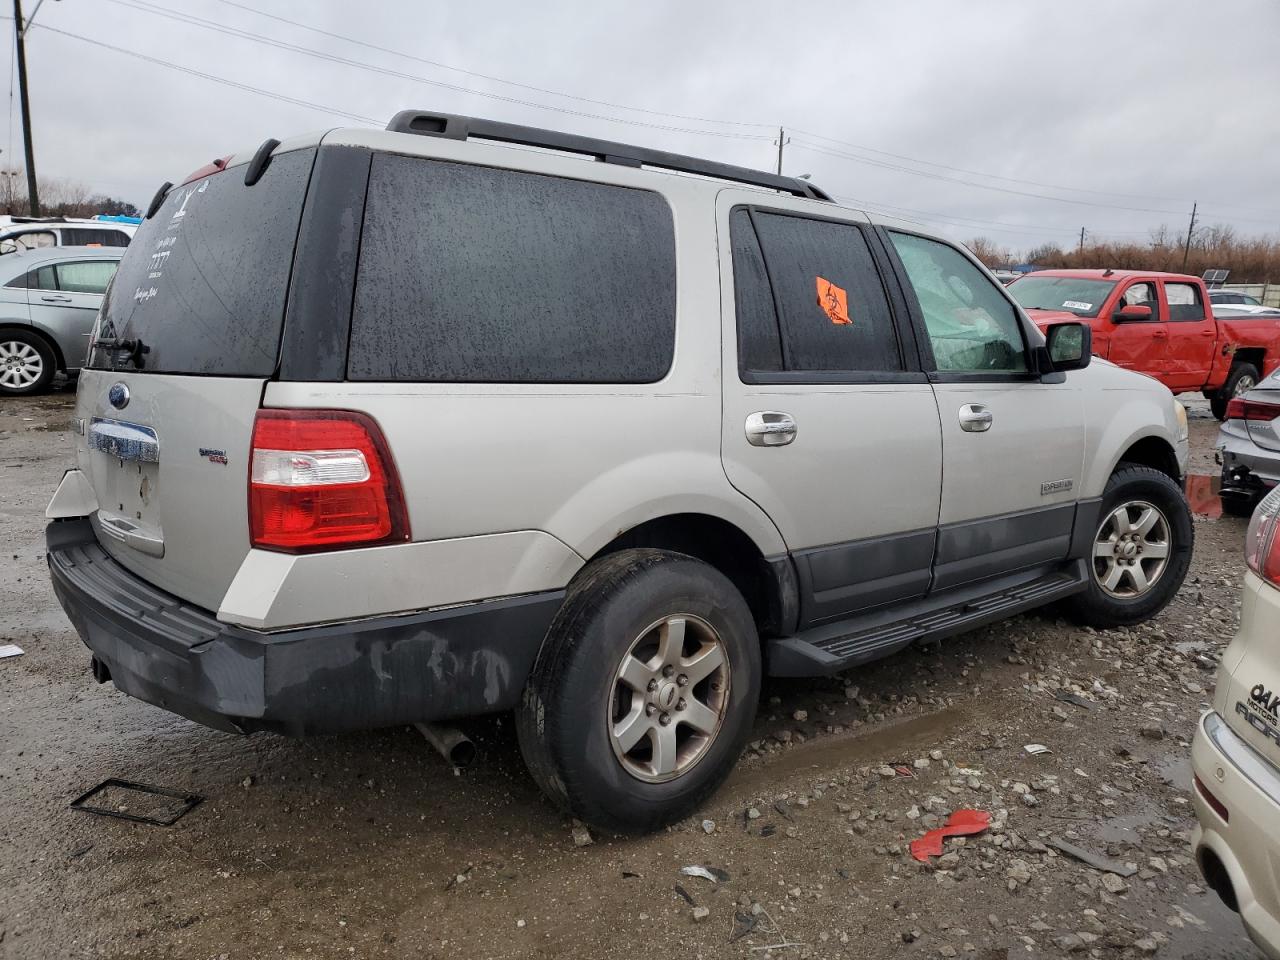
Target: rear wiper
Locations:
point(134, 347)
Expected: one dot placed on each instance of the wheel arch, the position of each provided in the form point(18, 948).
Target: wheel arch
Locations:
point(768, 584)
point(1254, 355)
point(1152, 451)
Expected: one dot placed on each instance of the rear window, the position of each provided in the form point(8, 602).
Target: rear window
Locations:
point(472, 273)
point(203, 283)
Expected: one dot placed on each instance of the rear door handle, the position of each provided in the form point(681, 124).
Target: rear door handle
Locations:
point(975, 418)
point(1159, 335)
point(55, 298)
point(770, 428)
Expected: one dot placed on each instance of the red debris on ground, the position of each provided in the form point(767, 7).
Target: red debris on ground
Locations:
point(959, 824)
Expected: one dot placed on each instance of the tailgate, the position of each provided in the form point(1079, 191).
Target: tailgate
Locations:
point(170, 473)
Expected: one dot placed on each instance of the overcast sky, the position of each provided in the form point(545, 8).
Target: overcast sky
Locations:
point(1149, 105)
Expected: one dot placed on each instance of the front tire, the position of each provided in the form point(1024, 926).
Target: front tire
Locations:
point(644, 691)
point(1140, 550)
point(1242, 378)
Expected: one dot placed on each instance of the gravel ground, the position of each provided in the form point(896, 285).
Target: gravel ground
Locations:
point(369, 846)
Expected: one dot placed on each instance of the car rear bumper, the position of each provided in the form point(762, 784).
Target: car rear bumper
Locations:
point(1248, 471)
point(1239, 856)
point(432, 665)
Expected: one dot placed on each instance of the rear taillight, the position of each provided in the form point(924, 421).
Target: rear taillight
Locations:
point(1239, 409)
point(1261, 545)
point(322, 480)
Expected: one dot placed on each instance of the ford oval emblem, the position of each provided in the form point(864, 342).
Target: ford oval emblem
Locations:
point(118, 396)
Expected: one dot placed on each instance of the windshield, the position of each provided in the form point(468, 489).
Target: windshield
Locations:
point(1075, 295)
point(202, 287)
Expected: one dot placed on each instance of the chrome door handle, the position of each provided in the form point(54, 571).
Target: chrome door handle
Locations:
point(769, 428)
point(975, 418)
point(55, 299)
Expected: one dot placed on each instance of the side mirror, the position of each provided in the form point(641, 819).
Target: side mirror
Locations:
point(1070, 345)
point(1131, 312)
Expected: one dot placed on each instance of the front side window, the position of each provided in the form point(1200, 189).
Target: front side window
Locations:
point(1141, 294)
point(1184, 302)
point(86, 276)
point(35, 240)
point(972, 328)
point(479, 274)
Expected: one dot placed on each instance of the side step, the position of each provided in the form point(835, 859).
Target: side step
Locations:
point(832, 647)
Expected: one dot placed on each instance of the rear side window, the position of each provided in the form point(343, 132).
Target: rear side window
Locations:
point(77, 236)
point(809, 297)
point(1184, 301)
point(479, 274)
point(203, 283)
point(86, 276)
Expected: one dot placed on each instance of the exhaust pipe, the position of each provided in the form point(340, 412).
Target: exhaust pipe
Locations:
point(452, 744)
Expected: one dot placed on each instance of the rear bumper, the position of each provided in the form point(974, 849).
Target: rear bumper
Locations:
point(434, 665)
point(1248, 471)
point(1240, 856)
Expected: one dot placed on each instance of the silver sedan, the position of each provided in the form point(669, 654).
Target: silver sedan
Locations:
point(48, 301)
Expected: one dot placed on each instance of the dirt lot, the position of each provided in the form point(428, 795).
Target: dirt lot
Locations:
point(369, 846)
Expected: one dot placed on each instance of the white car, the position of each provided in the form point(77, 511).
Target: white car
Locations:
point(33, 233)
point(1236, 752)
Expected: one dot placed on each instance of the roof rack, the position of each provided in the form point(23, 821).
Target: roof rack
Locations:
point(454, 127)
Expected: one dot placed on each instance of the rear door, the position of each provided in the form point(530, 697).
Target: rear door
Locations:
point(1012, 445)
point(189, 333)
point(829, 424)
point(1191, 331)
point(64, 300)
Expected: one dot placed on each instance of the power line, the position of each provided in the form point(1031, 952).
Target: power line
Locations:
point(209, 76)
point(486, 76)
point(985, 186)
point(192, 20)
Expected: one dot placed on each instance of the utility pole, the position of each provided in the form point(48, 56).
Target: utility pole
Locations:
point(782, 141)
point(20, 30)
point(1081, 247)
point(1186, 250)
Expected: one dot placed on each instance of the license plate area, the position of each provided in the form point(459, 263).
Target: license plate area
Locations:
point(126, 478)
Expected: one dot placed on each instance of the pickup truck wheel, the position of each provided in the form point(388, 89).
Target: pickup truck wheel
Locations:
point(27, 364)
point(643, 693)
point(1140, 551)
point(1242, 378)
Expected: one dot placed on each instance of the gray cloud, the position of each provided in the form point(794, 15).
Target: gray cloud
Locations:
point(1137, 99)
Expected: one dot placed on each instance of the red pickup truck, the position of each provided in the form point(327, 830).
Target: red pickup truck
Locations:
point(1160, 324)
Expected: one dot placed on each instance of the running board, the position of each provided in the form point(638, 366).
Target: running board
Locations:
point(832, 647)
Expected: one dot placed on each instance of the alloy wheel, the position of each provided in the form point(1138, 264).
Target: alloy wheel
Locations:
point(20, 364)
point(1131, 549)
point(669, 697)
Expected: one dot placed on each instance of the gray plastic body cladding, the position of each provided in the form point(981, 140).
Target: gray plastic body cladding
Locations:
point(437, 665)
point(834, 580)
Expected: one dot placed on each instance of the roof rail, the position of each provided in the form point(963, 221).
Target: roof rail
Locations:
point(454, 127)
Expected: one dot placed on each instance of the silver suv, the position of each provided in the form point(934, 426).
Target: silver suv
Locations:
point(404, 425)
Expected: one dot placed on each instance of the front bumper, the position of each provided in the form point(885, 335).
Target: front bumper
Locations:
point(384, 671)
point(1247, 846)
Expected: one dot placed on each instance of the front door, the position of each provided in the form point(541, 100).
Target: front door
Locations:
point(1141, 345)
point(1012, 445)
point(829, 424)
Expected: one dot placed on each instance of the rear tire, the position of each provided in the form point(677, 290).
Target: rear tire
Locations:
point(580, 718)
point(1242, 378)
point(1140, 550)
point(27, 363)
